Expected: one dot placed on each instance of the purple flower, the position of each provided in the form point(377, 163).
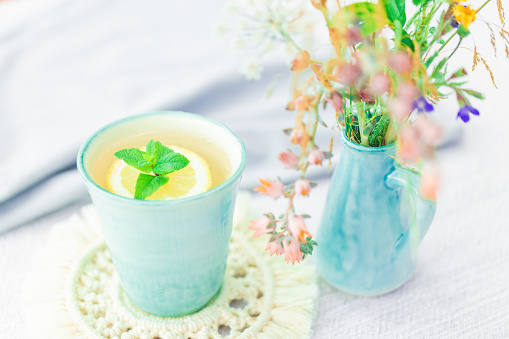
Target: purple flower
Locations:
point(421, 105)
point(464, 110)
point(454, 23)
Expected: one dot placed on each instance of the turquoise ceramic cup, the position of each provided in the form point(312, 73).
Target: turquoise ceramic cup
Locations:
point(170, 255)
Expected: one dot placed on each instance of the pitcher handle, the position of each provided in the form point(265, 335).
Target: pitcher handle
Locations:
point(404, 178)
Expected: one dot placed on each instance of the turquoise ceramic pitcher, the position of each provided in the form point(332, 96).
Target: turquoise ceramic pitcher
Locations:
point(373, 221)
point(170, 255)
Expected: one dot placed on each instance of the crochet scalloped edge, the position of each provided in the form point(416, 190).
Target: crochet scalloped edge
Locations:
point(48, 314)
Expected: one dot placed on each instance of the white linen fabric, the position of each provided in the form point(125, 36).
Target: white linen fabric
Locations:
point(71, 66)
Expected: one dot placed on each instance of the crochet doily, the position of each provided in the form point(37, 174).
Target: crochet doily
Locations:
point(77, 294)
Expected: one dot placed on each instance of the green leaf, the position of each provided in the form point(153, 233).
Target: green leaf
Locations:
point(457, 84)
point(406, 40)
point(148, 184)
point(135, 158)
point(155, 151)
point(395, 10)
point(462, 31)
point(307, 248)
point(439, 66)
point(420, 2)
point(171, 162)
point(475, 94)
point(371, 17)
point(458, 74)
point(398, 33)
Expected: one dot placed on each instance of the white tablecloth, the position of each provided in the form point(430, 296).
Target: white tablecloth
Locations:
point(461, 285)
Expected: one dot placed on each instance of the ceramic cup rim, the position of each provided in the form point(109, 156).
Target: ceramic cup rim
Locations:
point(231, 179)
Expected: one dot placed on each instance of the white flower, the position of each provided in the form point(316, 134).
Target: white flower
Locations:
point(251, 69)
point(239, 44)
point(231, 8)
point(268, 46)
point(220, 29)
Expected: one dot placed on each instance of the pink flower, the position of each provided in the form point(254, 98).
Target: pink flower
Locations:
point(400, 62)
point(353, 35)
point(298, 228)
point(273, 189)
point(366, 95)
point(429, 131)
point(261, 226)
point(289, 159)
point(300, 61)
point(292, 251)
point(401, 106)
point(380, 83)
point(429, 182)
point(296, 136)
point(316, 69)
point(336, 100)
point(275, 247)
point(408, 92)
point(409, 147)
point(303, 187)
point(400, 109)
point(302, 102)
point(316, 157)
point(347, 74)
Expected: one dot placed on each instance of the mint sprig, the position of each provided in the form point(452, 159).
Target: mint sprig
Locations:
point(157, 159)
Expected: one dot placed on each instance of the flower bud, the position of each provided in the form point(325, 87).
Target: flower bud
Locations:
point(300, 61)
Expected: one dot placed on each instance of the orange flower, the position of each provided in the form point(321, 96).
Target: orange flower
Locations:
point(303, 187)
point(316, 157)
point(296, 136)
point(298, 228)
point(300, 61)
point(273, 189)
point(429, 182)
point(289, 159)
point(463, 14)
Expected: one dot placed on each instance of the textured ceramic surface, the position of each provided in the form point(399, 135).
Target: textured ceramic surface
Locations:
point(373, 221)
point(170, 255)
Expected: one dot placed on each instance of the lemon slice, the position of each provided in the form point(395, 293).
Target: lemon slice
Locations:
point(193, 179)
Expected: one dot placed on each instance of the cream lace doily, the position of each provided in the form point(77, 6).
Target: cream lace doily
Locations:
point(75, 292)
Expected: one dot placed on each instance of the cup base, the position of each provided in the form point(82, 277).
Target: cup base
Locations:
point(172, 314)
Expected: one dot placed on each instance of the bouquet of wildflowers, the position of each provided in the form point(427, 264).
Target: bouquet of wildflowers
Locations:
point(384, 76)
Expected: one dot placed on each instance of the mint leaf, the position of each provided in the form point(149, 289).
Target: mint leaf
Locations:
point(159, 159)
point(155, 151)
point(148, 184)
point(135, 158)
point(162, 150)
point(169, 163)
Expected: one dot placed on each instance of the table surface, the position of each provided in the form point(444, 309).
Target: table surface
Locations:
point(460, 287)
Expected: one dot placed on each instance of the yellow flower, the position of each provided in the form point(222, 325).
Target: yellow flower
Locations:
point(464, 14)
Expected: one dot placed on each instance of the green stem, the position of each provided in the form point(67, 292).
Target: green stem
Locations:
point(362, 123)
point(290, 40)
point(313, 123)
point(484, 4)
point(450, 38)
point(454, 51)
